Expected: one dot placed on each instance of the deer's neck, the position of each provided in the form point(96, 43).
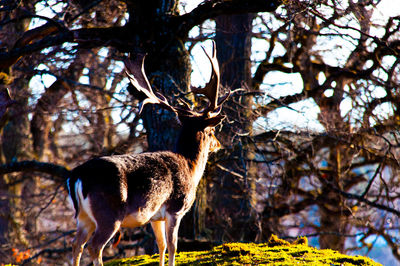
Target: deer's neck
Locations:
point(195, 149)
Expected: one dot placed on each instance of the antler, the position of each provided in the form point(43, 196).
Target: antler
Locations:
point(211, 90)
point(137, 76)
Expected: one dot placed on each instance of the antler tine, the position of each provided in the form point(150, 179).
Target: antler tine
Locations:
point(138, 78)
point(212, 87)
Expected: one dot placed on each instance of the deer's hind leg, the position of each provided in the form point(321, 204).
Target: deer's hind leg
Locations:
point(108, 219)
point(102, 235)
point(84, 230)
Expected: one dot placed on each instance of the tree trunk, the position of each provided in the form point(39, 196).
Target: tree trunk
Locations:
point(17, 147)
point(168, 69)
point(233, 39)
point(15, 142)
point(333, 212)
point(169, 73)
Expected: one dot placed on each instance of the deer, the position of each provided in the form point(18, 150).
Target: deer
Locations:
point(159, 188)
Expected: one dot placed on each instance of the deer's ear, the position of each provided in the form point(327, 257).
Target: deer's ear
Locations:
point(214, 121)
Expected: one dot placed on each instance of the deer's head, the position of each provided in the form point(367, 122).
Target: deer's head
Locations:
point(195, 124)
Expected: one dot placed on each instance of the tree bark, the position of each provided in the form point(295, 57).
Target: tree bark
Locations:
point(233, 39)
point(15, 142)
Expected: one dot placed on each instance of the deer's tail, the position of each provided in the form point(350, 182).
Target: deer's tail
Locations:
point(71, 182)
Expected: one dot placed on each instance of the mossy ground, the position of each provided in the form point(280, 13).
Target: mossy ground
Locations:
point(274, 252)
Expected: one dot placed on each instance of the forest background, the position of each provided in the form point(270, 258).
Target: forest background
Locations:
point(310, 144)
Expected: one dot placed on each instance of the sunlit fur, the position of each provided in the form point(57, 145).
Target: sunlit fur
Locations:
point(134, 189)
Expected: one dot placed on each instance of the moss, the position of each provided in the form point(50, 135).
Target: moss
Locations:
point(301, 241)
point(275, 252)
point(274, 241)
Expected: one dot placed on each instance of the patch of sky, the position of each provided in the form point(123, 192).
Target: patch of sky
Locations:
point(381, 112)
point(258, 52)
point(103, 53)
point(350, 108)
point(373, 239)
point(370, 92)
point(83, 102)
point(123, 128)
point(259, 48)
point(186, 6)
point(125, 114)
point(321, 78)
point(193, 33)
point(277, 84)
point(366, 171)
point(84, 79)
point(64, 57)
point(259, 26)
point(121, 92)
point(368, 64)
point(266, 20)
point(388, 61)
point(72, 128)
point(122, 114)
point(207, 28)
point(326, 10)
point(309, 183)
point(297, 116)
point(39, 83)
point(124, 20)
point(117, 66)
point(201, 67)
point(47, 9)
point(328, 93)
point(378, 92)
point(47, 50)
point(382, 12)
point(333, 47)
point(303, 224)
point(381, 252)
point(71, 115)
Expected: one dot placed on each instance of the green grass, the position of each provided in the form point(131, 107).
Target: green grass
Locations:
point(274, 252)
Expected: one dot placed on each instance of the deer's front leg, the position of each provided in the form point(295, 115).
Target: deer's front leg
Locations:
point(159, 232)
point(172, 226)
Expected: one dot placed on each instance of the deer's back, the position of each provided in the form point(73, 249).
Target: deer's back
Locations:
point(138, 182)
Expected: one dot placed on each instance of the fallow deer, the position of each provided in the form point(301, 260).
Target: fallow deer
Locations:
point(155, 187)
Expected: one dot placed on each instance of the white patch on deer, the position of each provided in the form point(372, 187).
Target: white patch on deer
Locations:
point(84, 203)
point(70, 202)
point(160, 214)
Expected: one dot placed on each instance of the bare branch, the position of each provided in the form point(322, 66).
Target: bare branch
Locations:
point(34, 166)
point(211, 9)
